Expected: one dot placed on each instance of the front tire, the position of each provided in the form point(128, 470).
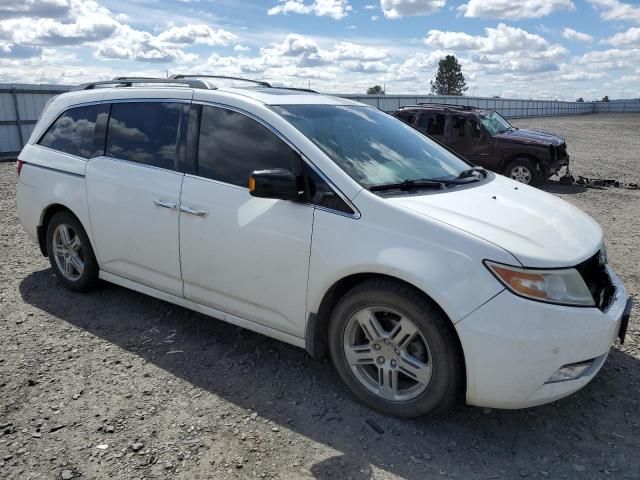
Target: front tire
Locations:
point(524, 171)
point(70, 253)
point(395, 350)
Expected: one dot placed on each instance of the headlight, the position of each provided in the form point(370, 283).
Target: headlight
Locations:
point(562, 286)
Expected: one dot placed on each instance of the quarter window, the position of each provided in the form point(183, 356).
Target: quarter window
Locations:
point(231, 146)
point(73, 132)
point(147, 133)
point(321, 193)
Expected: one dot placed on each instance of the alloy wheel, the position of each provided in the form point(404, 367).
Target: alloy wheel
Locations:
point(387, 353)
point(521, 174)
point(68, 252)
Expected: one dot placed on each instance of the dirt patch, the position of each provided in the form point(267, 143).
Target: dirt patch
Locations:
point(114, 384)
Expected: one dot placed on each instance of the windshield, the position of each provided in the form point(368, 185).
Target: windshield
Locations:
point(495, 124)
point(372, 147)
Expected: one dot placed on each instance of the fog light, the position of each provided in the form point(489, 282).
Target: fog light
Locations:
point(570, 372)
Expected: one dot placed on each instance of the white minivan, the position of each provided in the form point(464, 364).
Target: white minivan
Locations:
point(330, 225)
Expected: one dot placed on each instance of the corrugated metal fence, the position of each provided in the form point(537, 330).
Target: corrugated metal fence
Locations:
point(21, 104)
point(507, 107)
point(20, 107)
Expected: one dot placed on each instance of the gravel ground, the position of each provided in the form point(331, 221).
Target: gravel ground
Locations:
point(603, 145)
point(114, 384)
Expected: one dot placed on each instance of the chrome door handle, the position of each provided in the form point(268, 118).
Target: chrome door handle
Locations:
point(192, 211)
point(169, 205)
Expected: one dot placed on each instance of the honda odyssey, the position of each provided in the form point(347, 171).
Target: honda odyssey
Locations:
point(329, 225)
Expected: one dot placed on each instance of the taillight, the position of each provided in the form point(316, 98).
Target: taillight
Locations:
point(19, 166)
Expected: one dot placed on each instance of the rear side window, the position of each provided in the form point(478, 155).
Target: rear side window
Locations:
point(432, 123)
point(232, 145)
point(147, 133)
point(73, 132)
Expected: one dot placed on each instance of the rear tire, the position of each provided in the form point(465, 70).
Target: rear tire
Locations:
point(70, 253)
point(524, 171)
point(395, 350)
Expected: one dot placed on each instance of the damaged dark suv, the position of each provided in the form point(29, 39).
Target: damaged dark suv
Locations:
point(485, 138)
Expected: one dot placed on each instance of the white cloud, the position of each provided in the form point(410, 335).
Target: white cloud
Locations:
point(513, 10)
point(197, 34)
point(629, 38)
point(336, 9)
point(571, 34)
point(616, 10)
point(34, 8)
point(241, 48)
point(501, 39)
point(406, 8)
point(86, 22)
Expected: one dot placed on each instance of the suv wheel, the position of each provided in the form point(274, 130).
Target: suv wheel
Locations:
point(524, 171)
point(394, 350)
point(70, 253)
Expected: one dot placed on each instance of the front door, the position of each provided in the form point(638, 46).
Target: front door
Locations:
point(133, 193)
point(246, 256)
point(468, 139)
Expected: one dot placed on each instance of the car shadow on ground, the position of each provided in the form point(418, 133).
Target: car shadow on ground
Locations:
point(583, 435)
point(554, 186)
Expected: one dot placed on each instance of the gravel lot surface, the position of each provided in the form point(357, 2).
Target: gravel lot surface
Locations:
point(114, 384)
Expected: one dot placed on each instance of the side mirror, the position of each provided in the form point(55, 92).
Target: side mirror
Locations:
point(276, 183)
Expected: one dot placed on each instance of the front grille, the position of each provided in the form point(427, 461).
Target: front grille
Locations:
point(594, 274)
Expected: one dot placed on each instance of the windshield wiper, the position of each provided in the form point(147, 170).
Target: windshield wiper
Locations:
point(422, 183)
point(408, 185)
point(470, 171)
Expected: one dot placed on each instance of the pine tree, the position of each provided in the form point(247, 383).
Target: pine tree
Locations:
point(449, 79)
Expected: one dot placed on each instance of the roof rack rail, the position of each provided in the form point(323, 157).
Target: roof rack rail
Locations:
point(130, 81)
point(309, 90)
point(449, 105)
point(223, 77)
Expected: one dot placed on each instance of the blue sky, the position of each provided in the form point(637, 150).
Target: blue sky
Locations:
point(528, 48)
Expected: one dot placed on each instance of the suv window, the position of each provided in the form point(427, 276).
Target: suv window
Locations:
point(231, 146)
point(408, 117)
point(432, 123)
point(145, 133)
point(467, 127)
point(73, 131)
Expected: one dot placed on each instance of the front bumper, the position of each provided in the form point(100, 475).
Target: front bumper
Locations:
point(513, 346)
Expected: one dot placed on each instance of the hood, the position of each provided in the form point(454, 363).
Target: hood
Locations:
point(531, 137)
point(537, 228)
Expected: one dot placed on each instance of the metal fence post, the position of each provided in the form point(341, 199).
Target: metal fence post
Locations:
point(14, 94)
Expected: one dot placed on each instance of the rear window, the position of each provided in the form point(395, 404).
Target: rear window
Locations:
point(146, 133)
point(73, 132)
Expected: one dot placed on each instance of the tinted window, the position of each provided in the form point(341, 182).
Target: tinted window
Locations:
point(407, 117)
point(145, 133)
point(232, 145)
point(466, 127)
point(321, 193)
point(432, 123)
point(73, 132)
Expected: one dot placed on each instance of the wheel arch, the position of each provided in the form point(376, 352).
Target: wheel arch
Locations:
point(317, 330)
point(516, 156)
point(45, 217)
